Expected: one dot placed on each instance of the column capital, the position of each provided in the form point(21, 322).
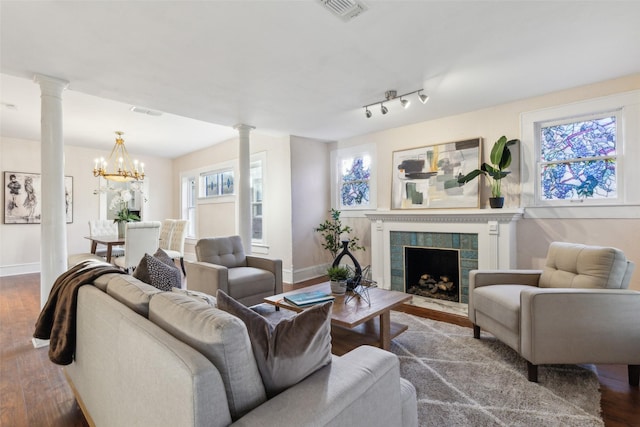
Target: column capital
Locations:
point(51, 86)
point(242, 126)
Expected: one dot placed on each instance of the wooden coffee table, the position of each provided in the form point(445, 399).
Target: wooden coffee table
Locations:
point(372, 323)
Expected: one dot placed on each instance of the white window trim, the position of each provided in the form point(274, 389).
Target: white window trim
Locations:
point(336, 159)
point(628, 203)
point(183, 201)
point(259, 244)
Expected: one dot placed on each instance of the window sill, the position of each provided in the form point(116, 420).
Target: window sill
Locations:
point(583, 212)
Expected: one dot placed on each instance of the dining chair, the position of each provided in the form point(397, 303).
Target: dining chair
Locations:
point(173, 244)
point(105, 227)
point(140, 238)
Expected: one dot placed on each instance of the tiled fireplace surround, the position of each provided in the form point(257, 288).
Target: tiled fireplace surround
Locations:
point(485, 239)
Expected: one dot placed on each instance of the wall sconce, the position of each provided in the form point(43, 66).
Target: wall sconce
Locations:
point(390, 95)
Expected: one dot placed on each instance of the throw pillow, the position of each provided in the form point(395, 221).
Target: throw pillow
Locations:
point(164, 257)
point(289, 351)
point(157, 273)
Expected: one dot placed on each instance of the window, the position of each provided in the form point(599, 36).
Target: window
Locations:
point(256, 176)
point(354, 178)
point(216, 183)
point(189, 197)
point(578, 159)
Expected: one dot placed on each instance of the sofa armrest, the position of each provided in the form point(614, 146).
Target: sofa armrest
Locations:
point(478, 278)
point(573, 325)
point(206, 277)
point(361, 388)
point(272, 265)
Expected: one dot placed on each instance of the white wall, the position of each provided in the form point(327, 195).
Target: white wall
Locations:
point(20, 243)
point(219, 219)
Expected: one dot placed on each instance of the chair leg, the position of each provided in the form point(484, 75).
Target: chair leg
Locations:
point(532, 372)
point(476, 331)
point(182, 265)
point(634, 375)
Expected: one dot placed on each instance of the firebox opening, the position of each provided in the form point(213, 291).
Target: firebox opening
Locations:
point(432, 273)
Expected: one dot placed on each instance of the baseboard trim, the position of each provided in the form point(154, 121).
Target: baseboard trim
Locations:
point(17, 269)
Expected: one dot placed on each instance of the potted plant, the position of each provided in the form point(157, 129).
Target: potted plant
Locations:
point(338, 276)
point(495, 172)
point(332, 230)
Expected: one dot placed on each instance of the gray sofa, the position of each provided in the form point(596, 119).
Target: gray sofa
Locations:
point(141, 360)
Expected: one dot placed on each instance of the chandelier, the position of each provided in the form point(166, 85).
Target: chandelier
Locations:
point(122, 169)
point(391, 95)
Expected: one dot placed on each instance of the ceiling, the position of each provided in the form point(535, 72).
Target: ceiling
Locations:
point(291, 67)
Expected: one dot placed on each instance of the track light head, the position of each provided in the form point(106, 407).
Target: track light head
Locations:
point(423, 98)
point(367, 113)
point(404, 102)
point(383, 109)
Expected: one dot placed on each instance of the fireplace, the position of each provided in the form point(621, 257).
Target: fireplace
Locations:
point(481, 238)
point(432, 273)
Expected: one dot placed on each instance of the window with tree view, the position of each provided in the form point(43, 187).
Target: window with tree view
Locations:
point(578, 159)
point(355, 174)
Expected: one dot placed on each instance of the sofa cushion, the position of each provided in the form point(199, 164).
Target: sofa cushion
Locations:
point(248, 281)
point(157, 273)
point(132, 292)
point(221, 338)
point(501, 303)
point(571, 265)
point(289, 351)
point(198, 296)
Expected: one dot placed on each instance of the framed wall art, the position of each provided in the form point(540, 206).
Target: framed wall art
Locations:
point(23, 197)
point(427, 177)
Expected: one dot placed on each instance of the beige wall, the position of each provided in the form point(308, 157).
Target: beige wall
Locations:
point(219, 219)
point(20, 243)
point(534, 236)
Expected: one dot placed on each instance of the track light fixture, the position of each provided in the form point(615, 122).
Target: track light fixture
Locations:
point(390, 95)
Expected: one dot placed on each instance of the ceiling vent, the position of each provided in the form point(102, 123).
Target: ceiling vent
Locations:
point(145, 111)
point(344, 9)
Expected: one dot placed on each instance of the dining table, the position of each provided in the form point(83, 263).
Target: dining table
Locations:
point(108, 241)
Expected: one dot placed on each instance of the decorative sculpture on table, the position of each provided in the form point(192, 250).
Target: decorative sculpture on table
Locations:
point(355, 278)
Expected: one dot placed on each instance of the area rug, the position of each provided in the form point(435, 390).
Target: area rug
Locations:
point(462, 381)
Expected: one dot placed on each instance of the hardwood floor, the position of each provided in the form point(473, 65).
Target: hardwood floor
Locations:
point(34, 392)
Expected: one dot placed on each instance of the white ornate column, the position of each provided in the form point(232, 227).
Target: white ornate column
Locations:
point(244, 186)
point(53, 230)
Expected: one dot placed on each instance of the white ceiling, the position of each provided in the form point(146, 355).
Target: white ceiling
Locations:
point(291, 67)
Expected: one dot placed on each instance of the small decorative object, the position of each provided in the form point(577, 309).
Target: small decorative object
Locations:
point(352, 282)
point(495, 172)
point(120, 203)
point(361, 288)
point(338, 276)
point(332, 230)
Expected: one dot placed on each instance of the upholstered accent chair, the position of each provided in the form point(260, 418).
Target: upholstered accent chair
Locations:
point(105, 227)
point(576, 310)
point(140, 238)
point(173, 233)
point(222, 264)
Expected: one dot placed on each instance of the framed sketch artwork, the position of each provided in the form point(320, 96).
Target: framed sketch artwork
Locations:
point(427, 177)
point(23, 197)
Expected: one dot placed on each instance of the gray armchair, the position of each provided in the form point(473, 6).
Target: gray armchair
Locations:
point(576, 310)
point(222, 264)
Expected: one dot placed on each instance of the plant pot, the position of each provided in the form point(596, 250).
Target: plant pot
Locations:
point(122, 228)
point(496, 202)
point(338, 288)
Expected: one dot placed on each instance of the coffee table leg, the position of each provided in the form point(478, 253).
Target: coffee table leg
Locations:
point(385, 330)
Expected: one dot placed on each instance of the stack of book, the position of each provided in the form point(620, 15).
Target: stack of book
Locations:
point(308, 298)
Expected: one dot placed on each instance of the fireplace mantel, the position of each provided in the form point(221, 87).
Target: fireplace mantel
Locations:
point(444, 216)
point(495, 230)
